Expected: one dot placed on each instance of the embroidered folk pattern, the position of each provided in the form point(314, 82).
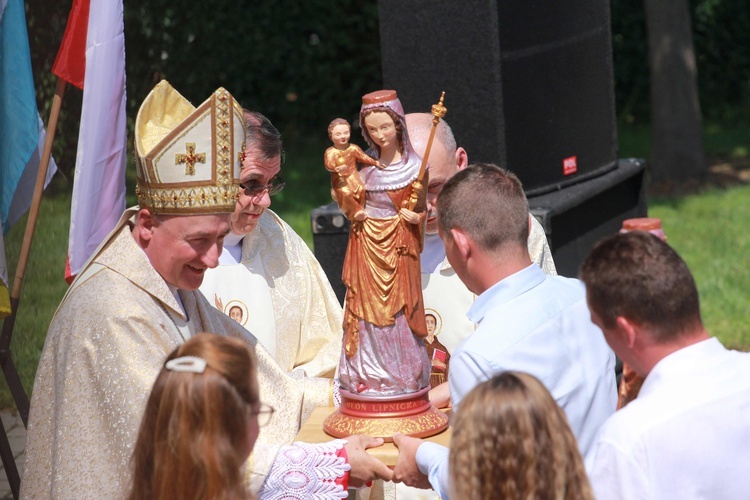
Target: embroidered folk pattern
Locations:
point(303, 471)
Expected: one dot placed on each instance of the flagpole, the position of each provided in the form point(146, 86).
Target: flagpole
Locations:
point(11, 375)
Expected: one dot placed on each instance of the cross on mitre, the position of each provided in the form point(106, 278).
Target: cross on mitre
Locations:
point(189, 159)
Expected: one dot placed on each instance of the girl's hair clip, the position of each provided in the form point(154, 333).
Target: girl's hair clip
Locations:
point(192, 364)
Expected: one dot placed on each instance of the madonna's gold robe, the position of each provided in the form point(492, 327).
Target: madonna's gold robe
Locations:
point(104, 349)
point(382, 273)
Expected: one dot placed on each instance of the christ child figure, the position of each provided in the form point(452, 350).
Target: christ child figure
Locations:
point(347, 188)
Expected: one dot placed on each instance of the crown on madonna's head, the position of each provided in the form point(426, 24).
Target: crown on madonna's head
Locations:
point(188, 159)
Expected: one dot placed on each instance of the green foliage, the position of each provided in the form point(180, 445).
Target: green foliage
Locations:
point(721, 31)
point(293, 61)
point(299, 63)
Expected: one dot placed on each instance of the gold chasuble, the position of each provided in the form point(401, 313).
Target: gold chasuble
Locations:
point(104, 349)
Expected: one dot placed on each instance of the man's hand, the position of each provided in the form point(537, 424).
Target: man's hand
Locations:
point(440, 396)
point(409, 216)
point(406, 470)
point(364, 466)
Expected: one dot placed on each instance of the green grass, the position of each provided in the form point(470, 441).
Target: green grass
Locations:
point(707, 229)
point(43, 285)
point(709, 232)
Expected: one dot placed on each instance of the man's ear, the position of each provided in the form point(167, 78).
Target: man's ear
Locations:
point(629, 329)
point(463, 243)
point(462, 159)
point(144, 226)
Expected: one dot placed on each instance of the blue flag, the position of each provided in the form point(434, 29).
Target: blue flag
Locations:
point(21, 128)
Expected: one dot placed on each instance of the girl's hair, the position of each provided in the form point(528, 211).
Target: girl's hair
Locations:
point(190, 444)
point(396, 121)
point(511, 440)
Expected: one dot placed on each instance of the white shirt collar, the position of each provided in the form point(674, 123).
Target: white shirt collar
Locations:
point(232, 253)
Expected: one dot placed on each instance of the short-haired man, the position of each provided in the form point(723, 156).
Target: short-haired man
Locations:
point(528, 321)
point(136, 300)
point(441, 288)
point(686, 435)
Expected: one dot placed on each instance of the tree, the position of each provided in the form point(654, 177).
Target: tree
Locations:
point(676, 134)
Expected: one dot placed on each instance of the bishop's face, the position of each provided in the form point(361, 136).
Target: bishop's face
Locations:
point(181, 248)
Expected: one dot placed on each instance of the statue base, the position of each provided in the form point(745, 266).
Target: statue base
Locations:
point(383, 416)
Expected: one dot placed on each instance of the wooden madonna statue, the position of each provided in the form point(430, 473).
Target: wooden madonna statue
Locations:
point(384, 369)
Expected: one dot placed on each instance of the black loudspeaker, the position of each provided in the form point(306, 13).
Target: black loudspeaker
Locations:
point(529, 83)
point(330, 237)
point(576, 217)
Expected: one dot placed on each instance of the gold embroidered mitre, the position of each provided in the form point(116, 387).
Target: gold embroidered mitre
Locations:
point(188, 159)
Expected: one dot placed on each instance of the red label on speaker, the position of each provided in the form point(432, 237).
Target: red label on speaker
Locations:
point(570, 165)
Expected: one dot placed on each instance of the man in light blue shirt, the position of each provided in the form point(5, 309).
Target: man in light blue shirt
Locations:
point(528, 321)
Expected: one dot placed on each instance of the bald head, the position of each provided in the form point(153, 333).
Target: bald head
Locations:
point(420, 125)
point(444, 161)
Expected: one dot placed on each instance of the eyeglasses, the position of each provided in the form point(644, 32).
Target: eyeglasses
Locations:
point(253, 189)
point(264, 414)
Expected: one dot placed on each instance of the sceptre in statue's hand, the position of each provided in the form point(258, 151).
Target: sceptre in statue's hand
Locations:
point(341, 160)
point(438, 111)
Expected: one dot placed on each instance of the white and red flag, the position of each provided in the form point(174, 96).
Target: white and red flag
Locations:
point(92, 57)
